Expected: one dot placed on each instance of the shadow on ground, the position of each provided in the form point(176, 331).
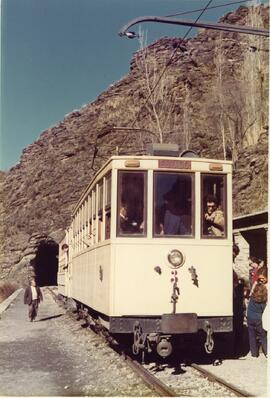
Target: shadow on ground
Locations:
point(49, 317)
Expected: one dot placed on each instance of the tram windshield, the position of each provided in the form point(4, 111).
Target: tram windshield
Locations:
point(131, 203)
point(213, 206)
point(173, 204)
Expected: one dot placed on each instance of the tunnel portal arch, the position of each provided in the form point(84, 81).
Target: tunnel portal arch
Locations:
point(45, 263)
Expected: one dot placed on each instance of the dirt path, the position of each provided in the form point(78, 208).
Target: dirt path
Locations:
point(55, 356)
point(30, 357)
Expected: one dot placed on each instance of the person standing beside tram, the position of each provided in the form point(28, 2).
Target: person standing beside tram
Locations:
point(32, 297)
point(255, 265)
point(255, 310)
point(238, 306)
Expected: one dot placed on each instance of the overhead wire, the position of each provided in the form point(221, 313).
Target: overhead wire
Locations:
point(172, 56)
point(209, 8)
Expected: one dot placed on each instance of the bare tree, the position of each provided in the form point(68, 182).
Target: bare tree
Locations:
point(237, 102)
point(219, 63)
point(187, 117)
point(159, 117)
point(255, 79)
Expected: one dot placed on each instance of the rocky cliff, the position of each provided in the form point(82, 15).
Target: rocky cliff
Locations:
point(204, 104)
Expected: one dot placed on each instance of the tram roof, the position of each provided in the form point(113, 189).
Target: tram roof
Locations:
point(151, 157)
point(154, 157)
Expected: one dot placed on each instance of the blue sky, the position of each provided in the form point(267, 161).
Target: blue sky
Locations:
point(57, 55)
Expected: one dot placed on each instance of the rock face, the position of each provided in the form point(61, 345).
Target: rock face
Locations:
point(251, 179)
point(205, 96)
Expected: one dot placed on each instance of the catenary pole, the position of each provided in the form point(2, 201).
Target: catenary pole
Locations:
point(207, 25)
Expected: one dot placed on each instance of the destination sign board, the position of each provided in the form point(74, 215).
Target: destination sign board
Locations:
point(174, 164)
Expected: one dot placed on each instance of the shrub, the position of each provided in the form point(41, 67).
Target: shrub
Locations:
point(6, 289)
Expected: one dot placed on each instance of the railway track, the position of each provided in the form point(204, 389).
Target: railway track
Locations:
point(238, 392)
point(150, 379)
point(193, 380)
point(182, 389)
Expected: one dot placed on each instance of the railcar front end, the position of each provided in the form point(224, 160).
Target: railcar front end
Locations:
point(151, 249)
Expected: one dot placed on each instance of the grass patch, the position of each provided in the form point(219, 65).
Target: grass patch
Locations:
point(6, 289)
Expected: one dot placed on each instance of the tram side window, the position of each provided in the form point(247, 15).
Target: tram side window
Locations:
point(173, 208)
point(108, 190)
point(89, 217)
point(213, 206)
point(94, 225)
point(100, 211)
point(131, 208)
point(100, 200)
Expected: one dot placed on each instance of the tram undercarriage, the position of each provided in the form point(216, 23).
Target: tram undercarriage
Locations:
point(158, 334)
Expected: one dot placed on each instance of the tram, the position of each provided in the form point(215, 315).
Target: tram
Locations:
point(149, 249)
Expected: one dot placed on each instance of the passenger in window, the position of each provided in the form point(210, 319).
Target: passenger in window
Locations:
point(214, 218)
point(123, 216)
point(128, 220)
point(171, 222)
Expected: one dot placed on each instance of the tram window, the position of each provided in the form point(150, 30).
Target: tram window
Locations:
point(89, 216)
point(108, 191)
point(108, 225)
point(90, 209)
point(94, 204)
point(100, 211)
point(80, 215)
point(108, 188)
point(75, 225)
point(213, 206)
point(94, 224)
point(83, 216)
point(100, 200)
point(131, 203)
point(173, 204)
point(86, 213)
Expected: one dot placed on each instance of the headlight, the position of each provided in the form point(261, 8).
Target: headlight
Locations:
point(176, 258)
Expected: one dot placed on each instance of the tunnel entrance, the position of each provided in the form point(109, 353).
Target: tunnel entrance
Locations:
point(46, 263)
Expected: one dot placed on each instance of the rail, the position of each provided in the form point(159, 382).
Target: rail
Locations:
point(212, 377)
point(158, 386)
point(152, 381)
